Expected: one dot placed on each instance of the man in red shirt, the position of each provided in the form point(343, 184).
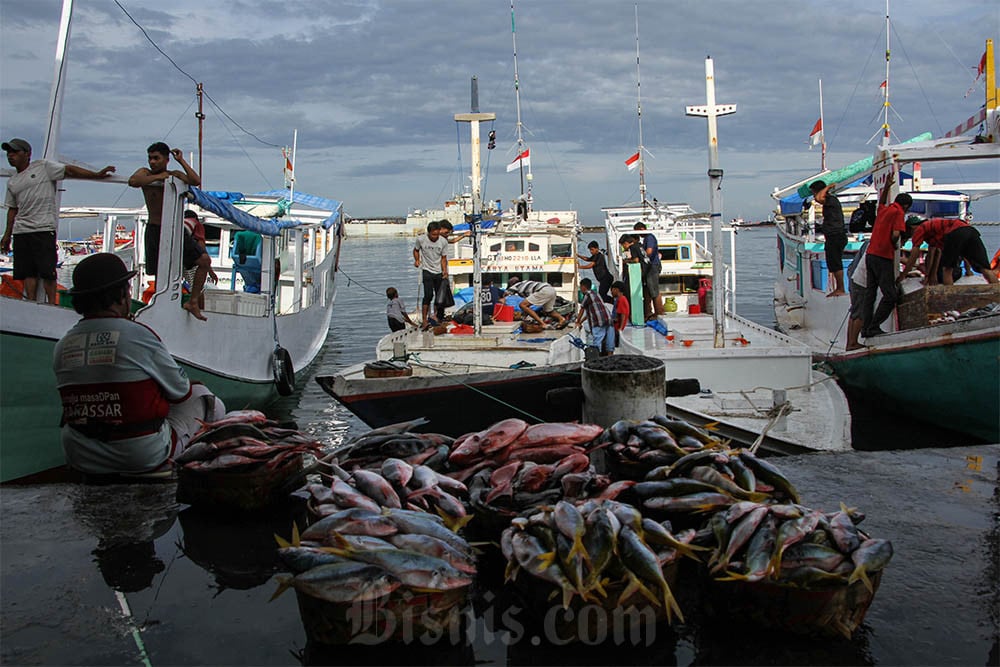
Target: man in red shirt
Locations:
point(956, 240)
point(890, 223)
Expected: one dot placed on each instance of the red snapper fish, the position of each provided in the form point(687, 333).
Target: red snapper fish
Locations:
point(557, 433)
point(501, 434)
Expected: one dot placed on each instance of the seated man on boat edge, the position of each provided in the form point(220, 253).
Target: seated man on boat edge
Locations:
point(128, 407)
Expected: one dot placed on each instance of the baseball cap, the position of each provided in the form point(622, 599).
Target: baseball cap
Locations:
point(99, 271)
point(16, 145)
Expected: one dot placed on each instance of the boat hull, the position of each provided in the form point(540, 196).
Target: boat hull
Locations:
point(949, 375)
point(456, 404)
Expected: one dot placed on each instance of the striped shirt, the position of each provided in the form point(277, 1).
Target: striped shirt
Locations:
point(934, 230)
point(595, 310)
point(526, 287)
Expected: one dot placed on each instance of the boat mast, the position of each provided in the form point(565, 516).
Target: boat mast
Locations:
point(517, 103)
point(200, 115)
point(473, 119)
point(638, 96)
point(712, 111)
point(822, 130)
point(58, 86)
point(885, 94)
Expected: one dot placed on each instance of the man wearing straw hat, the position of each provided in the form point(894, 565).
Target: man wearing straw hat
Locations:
point(127, 406)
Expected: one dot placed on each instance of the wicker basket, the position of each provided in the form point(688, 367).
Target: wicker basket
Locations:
point(585, 619)
point(402, 616)
point(240, 489)
point(834, 611)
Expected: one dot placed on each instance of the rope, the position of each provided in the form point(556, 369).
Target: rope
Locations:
point(837, 335)
point(358, 283)
point(781, 411)
point(527, 414)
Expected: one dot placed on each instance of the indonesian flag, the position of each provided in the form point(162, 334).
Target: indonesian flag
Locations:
point(882, 86)
point(816, 135)
point(982, 66)
point(524, 159)
point(289, 172)
point(632, 162)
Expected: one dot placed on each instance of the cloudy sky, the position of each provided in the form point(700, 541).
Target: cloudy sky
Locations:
point(372, 87)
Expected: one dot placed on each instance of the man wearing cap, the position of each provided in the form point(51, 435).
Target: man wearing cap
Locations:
point(32, 216)
point(834, 233)
point(127, 406)
point(955, 239)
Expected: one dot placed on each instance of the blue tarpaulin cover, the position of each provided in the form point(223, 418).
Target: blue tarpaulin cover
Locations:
point(269, 227)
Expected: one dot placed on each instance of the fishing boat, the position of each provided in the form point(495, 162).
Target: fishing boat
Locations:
point(751, 380)
point(254, 345)
point(922, 342)
point(487, 371)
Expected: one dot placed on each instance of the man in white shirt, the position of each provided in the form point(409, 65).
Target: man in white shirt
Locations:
point(32, 216)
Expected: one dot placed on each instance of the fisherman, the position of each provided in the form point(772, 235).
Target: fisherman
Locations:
point(889, 226)
point(32, 217)
point(430, 255)
point(598, 263)
point(535, 293)
point(151, 181)
point(127, 406)
point(594, 310)
point(834, 233)
point(395, 311)
point(652, 305)
point(955, 239)
point(857, 274)
point(621, 312)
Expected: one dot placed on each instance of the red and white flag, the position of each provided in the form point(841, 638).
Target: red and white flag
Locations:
point(816, 135)
point(289, 171)
point(524, 159)
point(632, 162)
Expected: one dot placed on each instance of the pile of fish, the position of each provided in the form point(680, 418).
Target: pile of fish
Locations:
point(710, 480)
point(244, 440)
point(514, 440)
point(603, 551)
point(395, 441)
point(395, 485)
point(360, 554)
point(640, 446)
point(792, 544)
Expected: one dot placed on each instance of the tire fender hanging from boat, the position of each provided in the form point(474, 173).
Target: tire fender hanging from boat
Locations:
point(284, 373)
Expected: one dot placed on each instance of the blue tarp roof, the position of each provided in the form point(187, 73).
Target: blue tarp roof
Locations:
point(485, 224)
point(222, 207)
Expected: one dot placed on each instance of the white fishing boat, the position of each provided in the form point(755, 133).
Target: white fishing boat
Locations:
point(922, 342)
point(252, 346)
point(492, 370)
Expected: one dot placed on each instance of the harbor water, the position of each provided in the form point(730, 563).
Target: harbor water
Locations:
point(122, 574)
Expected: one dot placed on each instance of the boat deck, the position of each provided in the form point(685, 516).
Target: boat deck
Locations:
point(746, 383)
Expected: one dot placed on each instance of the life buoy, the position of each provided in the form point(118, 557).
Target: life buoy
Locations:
point(284, 373)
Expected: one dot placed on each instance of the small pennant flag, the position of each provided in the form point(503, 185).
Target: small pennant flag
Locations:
point(816, 135)
point(982, 66)
point(882, 86)
point(524, 159)
point(632, 162)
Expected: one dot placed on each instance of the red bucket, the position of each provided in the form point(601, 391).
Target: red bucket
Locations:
point(694, 309)
point(503, 313)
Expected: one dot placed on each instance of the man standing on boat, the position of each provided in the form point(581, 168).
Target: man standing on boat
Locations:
point(956, 240)
point(651, 273)
point(127, 406)
point(430, 255)
point(834, 233)
point(150, 180)
point(881, 258)
point(598, 263)
point(32, 217)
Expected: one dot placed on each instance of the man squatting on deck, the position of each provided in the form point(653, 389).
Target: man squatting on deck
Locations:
point(957, 240)
point(32, 217)
point(535, 293)
point(151, 181)
point(127, 406)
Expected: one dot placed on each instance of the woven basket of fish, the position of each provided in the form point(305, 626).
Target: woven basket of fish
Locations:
point(693, 488)
point(365, 576)
point(633, 448)
point(243, 461)
point(793, 568)
point(599, 554)
point(395, 484)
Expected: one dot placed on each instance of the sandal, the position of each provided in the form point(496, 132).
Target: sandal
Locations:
point(563, 325)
